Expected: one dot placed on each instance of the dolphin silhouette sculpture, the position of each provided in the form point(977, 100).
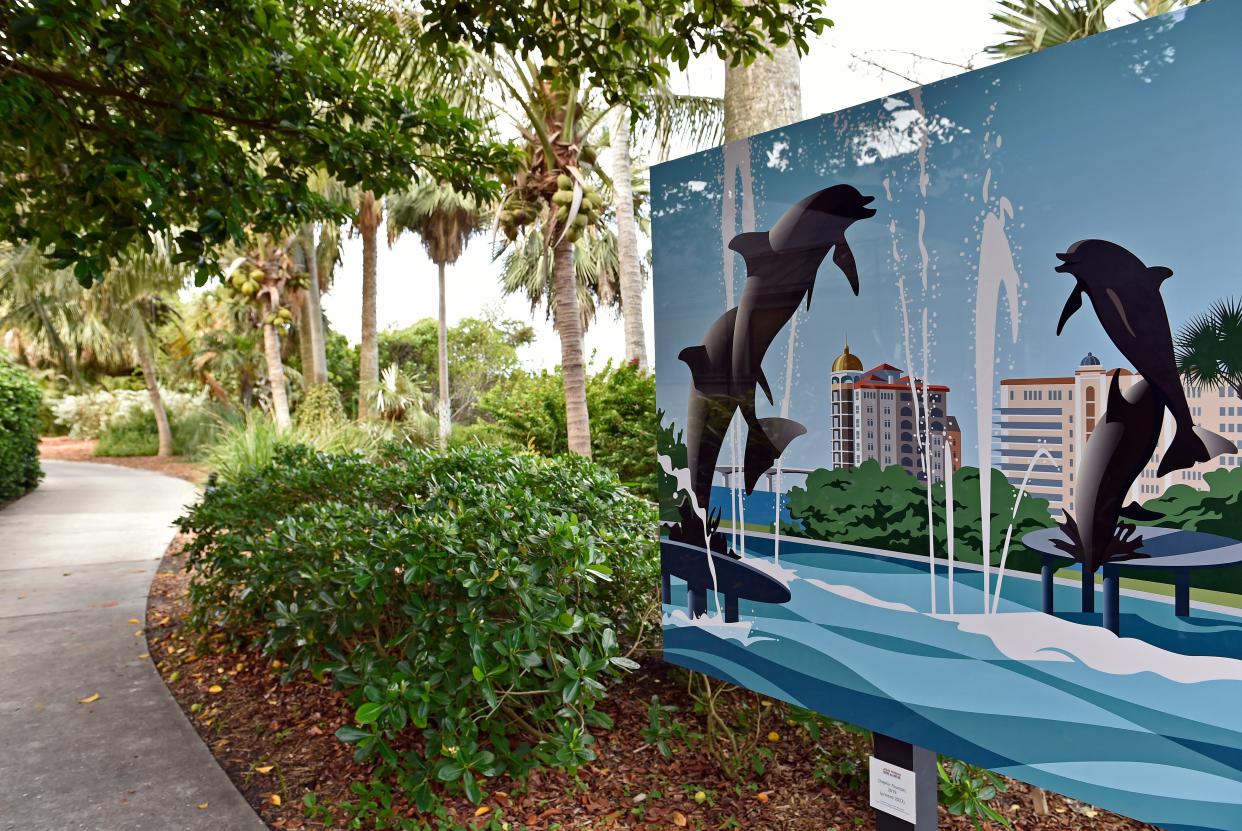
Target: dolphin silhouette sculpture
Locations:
point(1125, 294)
point(781, 265)
point(1117, 451)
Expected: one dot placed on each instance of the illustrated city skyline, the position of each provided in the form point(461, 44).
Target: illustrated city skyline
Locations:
point(1018, 142)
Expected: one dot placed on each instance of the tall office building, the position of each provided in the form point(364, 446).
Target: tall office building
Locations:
point(877, 415)
point(1043, 424)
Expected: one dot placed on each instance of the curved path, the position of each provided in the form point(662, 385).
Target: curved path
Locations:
point(76, 559)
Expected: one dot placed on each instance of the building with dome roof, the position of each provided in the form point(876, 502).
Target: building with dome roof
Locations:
point(1042, 426)
point(875, 416)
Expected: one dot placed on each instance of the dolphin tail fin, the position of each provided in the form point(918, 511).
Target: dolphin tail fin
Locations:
point(766, 440)
point(1187, 450)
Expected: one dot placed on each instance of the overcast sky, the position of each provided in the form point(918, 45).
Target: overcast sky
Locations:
point(836, 74)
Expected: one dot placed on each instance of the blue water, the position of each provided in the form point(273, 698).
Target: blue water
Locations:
point(759, 508)
point(1136, 738)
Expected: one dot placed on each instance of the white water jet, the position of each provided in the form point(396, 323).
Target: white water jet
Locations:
point(996, 271)
point(1017, 503)
point(736, 166)
point(785, 396)
point(682, 475)
point(948, 512)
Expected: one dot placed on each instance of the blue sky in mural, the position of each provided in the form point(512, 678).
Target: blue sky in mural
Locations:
point(1074, 159)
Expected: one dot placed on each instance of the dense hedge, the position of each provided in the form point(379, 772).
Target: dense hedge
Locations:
point(19, 432)
point(478, 599)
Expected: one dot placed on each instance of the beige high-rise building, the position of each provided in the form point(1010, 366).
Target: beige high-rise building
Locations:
point(875, 416)
point(1042, 426)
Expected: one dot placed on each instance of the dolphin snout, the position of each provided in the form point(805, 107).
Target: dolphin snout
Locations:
point(1068, 261)
point(863, 211)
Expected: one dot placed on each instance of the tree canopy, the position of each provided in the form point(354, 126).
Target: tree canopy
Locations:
point(121, 120)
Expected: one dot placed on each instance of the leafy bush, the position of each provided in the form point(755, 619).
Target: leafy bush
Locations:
point(529, 410)
point(479, 598)
point(88, 415)
point(887, 508)
point(321, 404)
point(19, 432)
point(137, 435)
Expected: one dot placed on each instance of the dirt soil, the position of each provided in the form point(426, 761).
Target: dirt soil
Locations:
point(276, 743)
point(63, 448)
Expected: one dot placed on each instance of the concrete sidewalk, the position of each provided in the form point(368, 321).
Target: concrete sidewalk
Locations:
point(76, 560)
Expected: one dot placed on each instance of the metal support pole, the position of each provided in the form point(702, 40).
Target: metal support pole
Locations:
point(1088, 592)
point(1046, 571)
point(922, 762)
point(1112, 600)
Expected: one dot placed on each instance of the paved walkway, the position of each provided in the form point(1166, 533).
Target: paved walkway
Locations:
point(76, 559)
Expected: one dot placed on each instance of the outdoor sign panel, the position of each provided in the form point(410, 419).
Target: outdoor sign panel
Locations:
point(949, 390)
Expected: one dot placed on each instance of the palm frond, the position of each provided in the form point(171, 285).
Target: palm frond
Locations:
point(1032, 25)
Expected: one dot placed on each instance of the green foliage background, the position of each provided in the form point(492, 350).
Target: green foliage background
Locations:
point(19, 432)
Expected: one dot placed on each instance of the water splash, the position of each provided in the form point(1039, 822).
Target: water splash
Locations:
point(996, 271)
point(785, 396)
point(948, 513)
point(1017, 503)
point(682, 476)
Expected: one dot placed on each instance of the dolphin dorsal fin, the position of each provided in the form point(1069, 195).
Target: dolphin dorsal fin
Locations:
point(697, 359)
point(1159, 273)
point(752, 245)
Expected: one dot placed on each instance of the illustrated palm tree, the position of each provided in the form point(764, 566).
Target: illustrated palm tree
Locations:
point(444, 220)
point(1209, 347)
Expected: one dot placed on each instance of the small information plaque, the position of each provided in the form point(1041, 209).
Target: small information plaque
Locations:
point(892, 789)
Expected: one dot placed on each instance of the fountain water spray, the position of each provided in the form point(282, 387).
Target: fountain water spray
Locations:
point(996, 271)
point(1017, 503)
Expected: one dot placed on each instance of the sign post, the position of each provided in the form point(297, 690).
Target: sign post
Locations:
point(903, 786)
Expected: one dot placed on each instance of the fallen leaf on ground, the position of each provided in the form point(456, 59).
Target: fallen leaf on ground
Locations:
point(679, 819)
point(276, 799)
point(90, 699)
point(481, 810)
point(134, 620)
point(202, 806)
point(143, 656)
point(264, 769)
point(215, 688)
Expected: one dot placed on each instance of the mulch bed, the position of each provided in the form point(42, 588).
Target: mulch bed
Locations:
point(276, 743)
point(63, 448)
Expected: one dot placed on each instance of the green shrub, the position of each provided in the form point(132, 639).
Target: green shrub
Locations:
point(137, 435)
point(89, 414)
point(321, 404)
point(19, 432)
point(477, 599)
point(529, 410)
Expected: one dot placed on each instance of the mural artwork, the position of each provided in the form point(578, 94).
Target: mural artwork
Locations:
point(897, 504)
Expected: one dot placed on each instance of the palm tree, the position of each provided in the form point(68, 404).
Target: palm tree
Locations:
point(115, 320)
point(370, 212)
point(627, 239)
point(1032, 25)
point(311, 324)
point(528, 269)
point(762, 95)
point(1209, 347)
point(444, 220)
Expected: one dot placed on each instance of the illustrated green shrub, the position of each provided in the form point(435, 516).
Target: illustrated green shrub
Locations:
point(321, 404)
point(472, 604)
point(19, 432)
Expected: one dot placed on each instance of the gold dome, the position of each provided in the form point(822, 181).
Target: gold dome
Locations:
point(847, 362)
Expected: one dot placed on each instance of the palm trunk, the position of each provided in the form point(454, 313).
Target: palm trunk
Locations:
point(568, 320)
point(368, 355)
point(317, 372)
point(276, 375)
point(445, 406)
point(142, 345)
point(627, 240)
point(305, 346)
point(762, 96)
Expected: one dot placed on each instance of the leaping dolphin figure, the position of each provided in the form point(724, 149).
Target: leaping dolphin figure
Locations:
point(781, 265)
point(1126, 296)
point(1116, 453)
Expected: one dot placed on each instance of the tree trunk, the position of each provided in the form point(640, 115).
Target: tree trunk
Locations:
point(627, 240)
point(763, 96)
point(305, 346)
point(568, 321)
point(142, 345)
point(445, 405)
point(276, 375)
point(317, 372)
point(368, 355)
